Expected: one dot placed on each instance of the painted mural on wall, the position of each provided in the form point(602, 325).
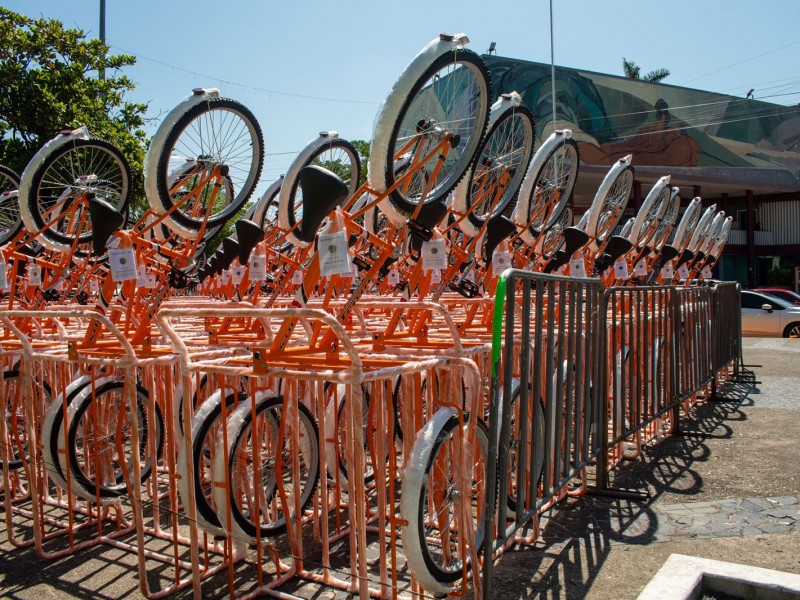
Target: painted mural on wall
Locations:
point(659, 124)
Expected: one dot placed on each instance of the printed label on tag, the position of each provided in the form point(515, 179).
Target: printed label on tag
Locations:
point(123, 264)
point(151, 281)
point(561, 270)
point(3, 278)
point(640, 268)
point(394, 277)
point(93, 286)
point(297, 277)
point(706, 273)
point(621, 269)
point(606, 273)
point(34, 275)
point(436, 275)
point(258, 267)
point(434, 255)
point(334, 259)
point(667, 272)
point(683, 271)
point(500, 262)
point(237, 274)
point(577, 268)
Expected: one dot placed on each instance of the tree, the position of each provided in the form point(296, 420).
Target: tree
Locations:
point(633, 71)
point(49, 82)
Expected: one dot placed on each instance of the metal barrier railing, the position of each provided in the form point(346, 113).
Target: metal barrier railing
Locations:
point(640, 338)
point(726, 343)
point(693, 312)
point(543, 425)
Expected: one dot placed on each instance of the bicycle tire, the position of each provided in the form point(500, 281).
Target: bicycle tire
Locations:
point(90, 166)
point(608, 205)
point(207, 420)
point(198, 136)
point(266, 214)
point(16, 419)
point(507, 147)
point(551, 188)
point(536, 434)
point(335, 154)
point(428, 455)
point(425, 105)
point(83, 482)
point(304, 442)
point(10, 217)
point(649, 214)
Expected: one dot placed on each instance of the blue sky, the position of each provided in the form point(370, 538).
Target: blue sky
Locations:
point(304, 66)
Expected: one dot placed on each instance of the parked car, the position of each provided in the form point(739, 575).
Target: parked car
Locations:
point(784, 294)
point(765, 315)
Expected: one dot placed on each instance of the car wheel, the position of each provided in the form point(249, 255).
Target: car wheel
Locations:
point(792, 330)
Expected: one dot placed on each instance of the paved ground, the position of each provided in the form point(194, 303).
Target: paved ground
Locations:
point(728, 488)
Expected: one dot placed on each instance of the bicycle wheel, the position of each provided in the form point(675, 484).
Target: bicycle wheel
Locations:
point(266, 214)
point(552, 186)
point(16, 440)
point(335, 154)
point(206, 433)
point(452, 96)
point(653, 206)
point(609, 204)
point(10, 218)
point(503, 157)
point(535, 443)
point(219, 138)
point(96, 435)
point(55, 202)
point(667, 221)
point(260, 484)
point(432, 537)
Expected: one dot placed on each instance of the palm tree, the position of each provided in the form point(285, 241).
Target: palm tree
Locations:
point(633, 71)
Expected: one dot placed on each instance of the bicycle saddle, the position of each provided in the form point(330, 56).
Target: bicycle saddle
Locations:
point(230, 249)
point(248, 234)
point(498, 229)
point(574, 239)
point(105, 221)
point(668, 253)
point(686, 257)
point(421, 228)
point(616, 247)
point(323, 191)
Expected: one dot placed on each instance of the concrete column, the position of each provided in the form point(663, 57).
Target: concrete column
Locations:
point(751, 239)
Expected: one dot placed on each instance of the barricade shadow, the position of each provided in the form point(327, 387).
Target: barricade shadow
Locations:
point(577, 534)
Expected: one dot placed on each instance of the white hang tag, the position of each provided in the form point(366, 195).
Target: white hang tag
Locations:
point(59, 286)
point(667, 272)
point(297, 277)
point(141, 280)
point(123, 264)
point(683, 271)
point(436, 275)
point(93, 286)
point(151, 281)
point(394, 277)
point(621, 269)
point(3, 278)
point(34, 275)
point(640, 268)
point(500, 262)
point(334, 259)
point(561, 270)
point(237, 274)
point(352, 273)
point(577, 268)
point(606, 273)
point(226, 276)
point(434, 254)
point(258, 267)
point(706, 273)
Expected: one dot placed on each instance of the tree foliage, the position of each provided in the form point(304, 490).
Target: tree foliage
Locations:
point(634, 71)
point(49, 77)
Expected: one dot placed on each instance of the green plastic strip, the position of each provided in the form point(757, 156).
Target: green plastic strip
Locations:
point(497, 321)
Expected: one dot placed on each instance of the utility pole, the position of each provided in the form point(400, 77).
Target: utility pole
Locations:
point(103, 31)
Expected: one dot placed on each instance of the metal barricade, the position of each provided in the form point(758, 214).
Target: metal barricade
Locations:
point(694, 315)
point(545, 404)
point(726, 313)
point(639, 370)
